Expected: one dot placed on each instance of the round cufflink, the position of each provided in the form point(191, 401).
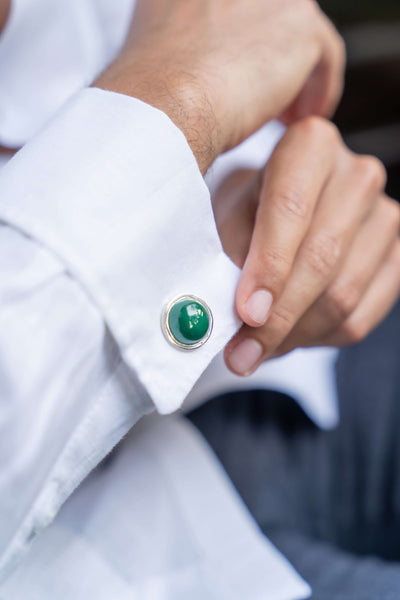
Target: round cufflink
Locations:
point(187, 322)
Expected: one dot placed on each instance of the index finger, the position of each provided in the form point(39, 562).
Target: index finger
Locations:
point(294, 179)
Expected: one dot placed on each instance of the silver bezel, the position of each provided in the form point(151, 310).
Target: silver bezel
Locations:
point(167, 331)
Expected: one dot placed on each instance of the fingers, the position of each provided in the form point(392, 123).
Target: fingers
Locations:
point(380, 297)
point(346, 201)
point(378, 301)
point(350, 212)
point(235, 205)
point(366, 257)
point(293, 182)
point(324, 87)
point(323, 91)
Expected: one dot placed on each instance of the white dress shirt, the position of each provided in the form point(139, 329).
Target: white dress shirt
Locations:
point(105, 218)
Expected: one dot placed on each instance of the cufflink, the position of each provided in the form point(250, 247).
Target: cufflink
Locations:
point(187, 322)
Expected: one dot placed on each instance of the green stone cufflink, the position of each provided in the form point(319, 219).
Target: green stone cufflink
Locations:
point(187, 322)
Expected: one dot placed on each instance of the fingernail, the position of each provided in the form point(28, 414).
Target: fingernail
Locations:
point(258, 306)
point(245, 356)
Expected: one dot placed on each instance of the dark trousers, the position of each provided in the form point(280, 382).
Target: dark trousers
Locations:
point(330, 501)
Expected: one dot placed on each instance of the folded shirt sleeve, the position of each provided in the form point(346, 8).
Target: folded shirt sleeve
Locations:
point(105, 218)
point(112, 189)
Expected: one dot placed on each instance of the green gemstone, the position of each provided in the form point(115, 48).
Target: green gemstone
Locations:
point(188, 321)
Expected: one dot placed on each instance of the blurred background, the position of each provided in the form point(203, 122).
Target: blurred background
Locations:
point(369, 115)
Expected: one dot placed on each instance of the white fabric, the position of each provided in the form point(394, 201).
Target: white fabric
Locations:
point(305, 375)
point(96, 222)
point(110, 214)
point(85, 205)
point(50, 49)
point(169, 525)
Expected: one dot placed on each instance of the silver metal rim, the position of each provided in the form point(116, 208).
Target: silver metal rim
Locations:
point(165, 322)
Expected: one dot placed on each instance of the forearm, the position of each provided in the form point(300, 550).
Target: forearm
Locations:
point(220, 75)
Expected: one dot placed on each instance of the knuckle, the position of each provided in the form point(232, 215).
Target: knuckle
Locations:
point(396, 254)
point(342, 300)
point(290, 201)
point(314, 17)
point(308, 6)
point(322, 254)
point(372, 172)
point(320, 129)
point(353, 332)
point(276, 264)
point(341, 49)
point(281, 323)
point(393, 210)
point(394, 257)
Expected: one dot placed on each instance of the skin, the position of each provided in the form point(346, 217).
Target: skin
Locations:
point(222, 68)
point(4, 12)
point(315, 229)
point(301, 230)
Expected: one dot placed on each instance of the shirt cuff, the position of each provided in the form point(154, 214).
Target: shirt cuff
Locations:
point(111, 187)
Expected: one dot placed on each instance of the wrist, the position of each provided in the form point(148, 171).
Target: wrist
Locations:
point(180, 96)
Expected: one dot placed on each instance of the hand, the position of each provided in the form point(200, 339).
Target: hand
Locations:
point(318, 243)
point(222, 68)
